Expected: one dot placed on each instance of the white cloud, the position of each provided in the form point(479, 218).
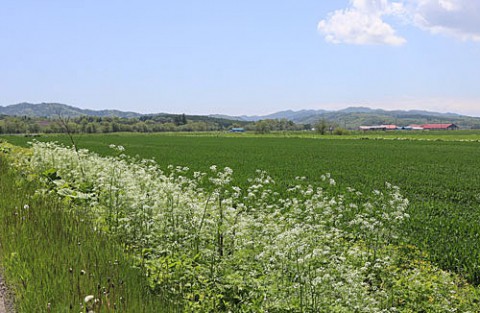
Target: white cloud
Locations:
point(457, 18)
point(363, 22)
point(448, 5)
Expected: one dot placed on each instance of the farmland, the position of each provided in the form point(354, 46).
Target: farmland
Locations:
point(439, 178)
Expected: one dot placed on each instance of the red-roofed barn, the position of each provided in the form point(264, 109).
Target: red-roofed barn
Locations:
point(440, 126)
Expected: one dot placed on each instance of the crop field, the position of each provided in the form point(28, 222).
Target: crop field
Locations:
point(438, 174)
point(440, 178)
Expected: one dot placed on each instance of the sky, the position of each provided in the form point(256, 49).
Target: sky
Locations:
point(242, 57)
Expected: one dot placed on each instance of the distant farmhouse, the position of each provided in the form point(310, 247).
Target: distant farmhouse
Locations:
point(440, 126)
point(379, 127)
point(410, 127)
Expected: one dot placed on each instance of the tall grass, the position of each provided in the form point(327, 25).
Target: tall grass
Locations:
point(53, 260)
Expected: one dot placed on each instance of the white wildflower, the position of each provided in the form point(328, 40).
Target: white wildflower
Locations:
point(89, 298)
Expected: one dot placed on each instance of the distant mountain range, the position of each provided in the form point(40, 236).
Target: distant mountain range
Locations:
point(351, 117)
point(311, 116)
point(58, 109)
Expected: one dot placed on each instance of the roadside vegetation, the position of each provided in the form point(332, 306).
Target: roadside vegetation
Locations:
point(54, 261)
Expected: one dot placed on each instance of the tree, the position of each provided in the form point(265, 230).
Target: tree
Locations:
point(33, 128)
point(181, 120)
point(321, 126)
point(91, 128)
point(262, 127)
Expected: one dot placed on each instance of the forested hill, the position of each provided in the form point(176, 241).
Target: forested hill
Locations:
point(353, 117)
point(59, 110)
point(57, 118)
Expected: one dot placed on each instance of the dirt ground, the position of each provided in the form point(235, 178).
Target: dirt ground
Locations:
point(2, 304)
point(5, 305)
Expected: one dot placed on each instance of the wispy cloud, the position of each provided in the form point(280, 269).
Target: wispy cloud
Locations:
point(364, 21)
point(457, 18)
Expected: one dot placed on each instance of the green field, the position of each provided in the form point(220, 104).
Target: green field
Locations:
point(440, 178)
point(438, 175)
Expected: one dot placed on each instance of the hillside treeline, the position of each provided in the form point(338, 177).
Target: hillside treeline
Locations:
point(143, 124)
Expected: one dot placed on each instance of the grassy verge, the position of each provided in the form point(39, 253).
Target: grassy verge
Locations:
point(52, 259)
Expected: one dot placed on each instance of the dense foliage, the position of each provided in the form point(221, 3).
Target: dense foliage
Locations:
point(143, 124)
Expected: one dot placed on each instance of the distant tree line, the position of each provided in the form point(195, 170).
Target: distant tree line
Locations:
point(324, 127)
point(143, 124)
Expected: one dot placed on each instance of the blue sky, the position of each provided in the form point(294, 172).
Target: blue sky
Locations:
point(242, 57)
